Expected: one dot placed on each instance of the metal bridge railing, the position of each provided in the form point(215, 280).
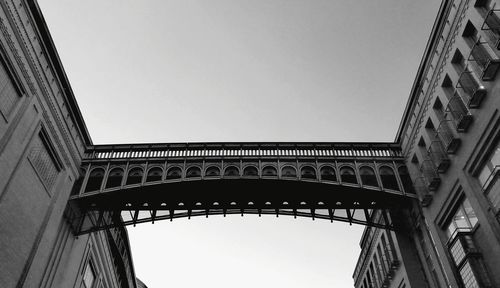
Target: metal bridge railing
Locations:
point(196, 150)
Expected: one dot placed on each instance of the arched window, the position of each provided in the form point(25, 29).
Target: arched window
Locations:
point(193, 171)
point(154, 174)
point(388, 178)
point(212, 171)
point(328, 173)
point(348, 175)
point(115, 177)
point(288, 172)
point(368, 177)
point(95, 180)
point(134, 176)
point(250, 171)
point(232, 171)
point(174, 173)
point(269, 171)
point(406, 179)
point(307, 172)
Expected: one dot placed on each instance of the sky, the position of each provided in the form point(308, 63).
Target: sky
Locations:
point(239, 70)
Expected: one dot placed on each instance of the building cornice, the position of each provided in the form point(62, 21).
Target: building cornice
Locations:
point(424, 65)
point(51, 52)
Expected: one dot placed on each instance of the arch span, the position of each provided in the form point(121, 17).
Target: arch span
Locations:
point(341, 182)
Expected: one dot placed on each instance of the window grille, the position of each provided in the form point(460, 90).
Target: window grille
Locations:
point(44, 161)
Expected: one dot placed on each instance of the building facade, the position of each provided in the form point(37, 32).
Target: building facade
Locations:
point(450, 135)
point(42, 139)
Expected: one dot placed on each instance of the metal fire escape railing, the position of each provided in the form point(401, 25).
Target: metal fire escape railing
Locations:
point(459, 112)
point(471, 89)
point(483, 60)
point(491, 25)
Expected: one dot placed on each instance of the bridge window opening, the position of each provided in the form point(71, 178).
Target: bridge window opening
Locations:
point(288, 172)
point(154, 174)
point(328, 173)
point(348, 175)
point(388, 178)
point(115, 178)
point(231, 171)
point(250, 171)
point(269, 171)
point(174, 173)
point(368, 176)
point(212, 171)
point(193, 172)
point(307, 172)
point(95, 180)
point(134, 176)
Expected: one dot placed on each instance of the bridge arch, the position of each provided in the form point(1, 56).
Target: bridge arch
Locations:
point(250, 171)
point(334, 181)
point(328, 173)
point(134, 175)
point(288, 171)
point(348, 174)
point(155, 173)
point(212, 171)
point(307, 172)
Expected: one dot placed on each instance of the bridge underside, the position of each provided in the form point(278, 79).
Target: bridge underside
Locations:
point(149, 203)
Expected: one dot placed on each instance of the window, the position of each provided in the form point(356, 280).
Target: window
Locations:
point(89, 276)
point(468, 276)
point(464, 219)
point(43, 159)
point(9, 92)
point(490, 168)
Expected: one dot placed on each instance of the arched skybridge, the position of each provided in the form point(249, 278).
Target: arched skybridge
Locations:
point(130, 184)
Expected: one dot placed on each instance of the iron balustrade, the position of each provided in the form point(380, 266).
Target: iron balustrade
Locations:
point(472, 89)
point(447, 137)
point(423, 192)
point(430, 175)
point(483, 60)
point(459, 112)
point(491, 25)
point(197, 150)
point(438, 156)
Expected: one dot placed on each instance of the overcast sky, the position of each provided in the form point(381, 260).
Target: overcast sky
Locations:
point(241, 70)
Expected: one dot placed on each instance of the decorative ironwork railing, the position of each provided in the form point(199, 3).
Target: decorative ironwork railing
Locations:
point(445, 134)
point(459, 112)
point(483, 60)
point(491, 25)
point(472, 89)
point(198, 150)
point(438, 156)
point(422, 190)
point(430, 175)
